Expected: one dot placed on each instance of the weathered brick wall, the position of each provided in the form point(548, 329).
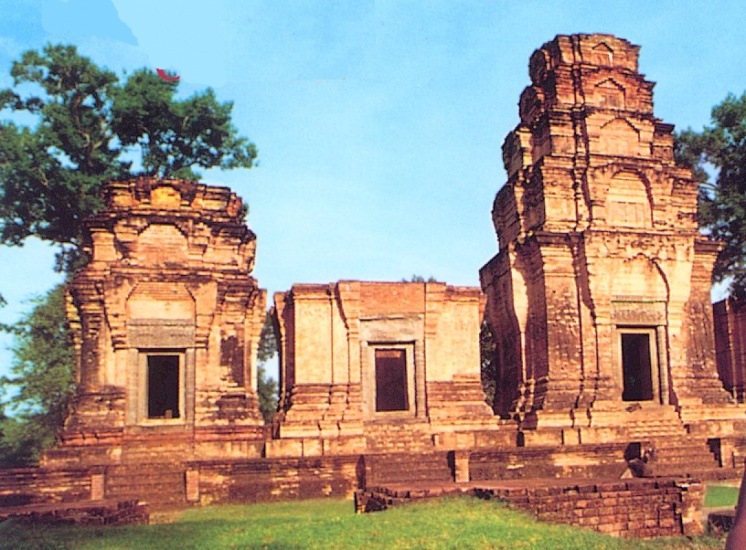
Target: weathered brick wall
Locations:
point(21, 486)
point(382, 469)
point(730, 345)
point(589, 461)
point(110, 512)
point(277, 479)
point(634, 508)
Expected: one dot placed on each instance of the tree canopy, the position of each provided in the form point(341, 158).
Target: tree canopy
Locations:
point(720, 149)
point(266, 387)
point(86, 127)
point(43, 372)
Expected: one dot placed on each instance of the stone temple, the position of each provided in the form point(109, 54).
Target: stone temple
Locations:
point(598, 301)
point(166, 320)
point(376, 367)
point(599, 295)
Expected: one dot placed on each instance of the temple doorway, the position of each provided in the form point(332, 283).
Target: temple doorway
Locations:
point(163, 386)
point(639, 367)
point(391, 380)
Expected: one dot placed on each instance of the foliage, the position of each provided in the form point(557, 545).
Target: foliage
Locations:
point(267, 341)
point(419, 279)
point(50, 175)
point(722, 202)
point(488, 364)
point(86, 125)
point(42, 371)
point(330, 523)
point(267, 389)
point(175, 135)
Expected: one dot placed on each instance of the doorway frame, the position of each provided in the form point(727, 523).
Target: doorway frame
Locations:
point(655, 365)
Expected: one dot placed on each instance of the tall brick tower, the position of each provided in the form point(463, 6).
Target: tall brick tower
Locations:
point(599, 295)
point(166, 319)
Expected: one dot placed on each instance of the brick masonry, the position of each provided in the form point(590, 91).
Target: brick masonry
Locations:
point(597, 237)
point(634, 508)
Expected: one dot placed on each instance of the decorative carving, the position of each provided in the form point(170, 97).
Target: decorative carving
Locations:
point(638, 313)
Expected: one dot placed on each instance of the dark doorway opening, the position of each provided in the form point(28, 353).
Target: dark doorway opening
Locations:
point(391, 380)
point(163, 386)
point(715, 445)
point(636, 367)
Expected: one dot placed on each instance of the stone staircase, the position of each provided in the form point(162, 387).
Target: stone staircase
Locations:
point(654, 427)
point(686, 456)
point(633, 422)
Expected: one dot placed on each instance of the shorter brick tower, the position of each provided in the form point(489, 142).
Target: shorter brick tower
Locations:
point(375, 367)
point(166, 320)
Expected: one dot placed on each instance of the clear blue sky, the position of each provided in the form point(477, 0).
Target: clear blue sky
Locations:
point(378, 123)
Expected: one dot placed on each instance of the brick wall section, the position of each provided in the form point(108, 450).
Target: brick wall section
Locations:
point(382, 469)
point(729, 317)
point(276, 479)
point(588, 461)
point(22, 486)
point(110, 512)
point(634, 508)
point(178, 485)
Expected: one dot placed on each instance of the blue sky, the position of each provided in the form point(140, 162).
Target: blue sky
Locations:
point(378, 123)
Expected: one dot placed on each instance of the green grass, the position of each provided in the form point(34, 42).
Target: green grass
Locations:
point(721, 496)
point(447, 523)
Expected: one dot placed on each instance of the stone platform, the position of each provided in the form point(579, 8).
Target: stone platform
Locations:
point(95, 512)
point(635, 508)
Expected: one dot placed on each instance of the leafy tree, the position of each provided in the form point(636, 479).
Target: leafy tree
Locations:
point(42, 372)
point(86, 124)
point(176, 135)
point(266, 387)
point(267, 393)
point(50, 175)
point(722, 199)
point(84, 128)
point(488, 363)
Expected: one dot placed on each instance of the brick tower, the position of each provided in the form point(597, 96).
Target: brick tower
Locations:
point(166, 320)
point(599, 295)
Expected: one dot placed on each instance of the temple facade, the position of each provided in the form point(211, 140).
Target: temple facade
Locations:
point(598, 301)
point(599, 296)
point(379, 367)
point(166, 321)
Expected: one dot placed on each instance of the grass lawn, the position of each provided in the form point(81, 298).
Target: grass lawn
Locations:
point(721, 496)
point(459, 522)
